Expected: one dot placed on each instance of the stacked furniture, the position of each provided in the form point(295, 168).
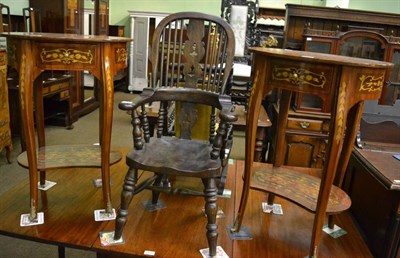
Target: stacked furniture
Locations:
point(242, 16)
point(347, 32)
point(5, 132)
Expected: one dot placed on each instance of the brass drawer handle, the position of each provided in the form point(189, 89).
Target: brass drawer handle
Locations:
point(304, 125)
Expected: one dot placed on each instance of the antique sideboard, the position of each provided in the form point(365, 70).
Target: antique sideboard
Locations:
point(373, 183)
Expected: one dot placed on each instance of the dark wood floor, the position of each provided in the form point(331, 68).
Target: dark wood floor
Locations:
point(176, 231)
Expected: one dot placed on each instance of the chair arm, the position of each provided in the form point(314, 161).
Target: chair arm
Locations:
point(126, 105)
point(223, 138)
point(228, 115)
point(137, 101)
point(227, 112)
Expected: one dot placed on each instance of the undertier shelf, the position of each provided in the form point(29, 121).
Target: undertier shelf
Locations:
point(63, 156)
point(297, 185)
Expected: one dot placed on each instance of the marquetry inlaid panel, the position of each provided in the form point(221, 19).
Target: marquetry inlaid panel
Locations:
point(58, 156)
point(75, 56)
point(304, 77)
point(371, 82)
point(296, 186)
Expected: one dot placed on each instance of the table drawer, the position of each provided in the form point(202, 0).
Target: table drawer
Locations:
point(307, 124)
point(58, 87)
point(76, 57)
point(55, 88)
point(304, 77)
point(64, 95)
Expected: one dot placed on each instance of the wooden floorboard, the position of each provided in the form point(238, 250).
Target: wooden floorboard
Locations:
point(68, 207)
point(176, 231)
point(179, 230)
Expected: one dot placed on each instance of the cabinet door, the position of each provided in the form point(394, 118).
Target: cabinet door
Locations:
point(362, 46)
point(139, 67)
point(101, 17)
point(73, 16)
point(395, 59)
point(305, 151)
point(393, 90)
point(314, 44)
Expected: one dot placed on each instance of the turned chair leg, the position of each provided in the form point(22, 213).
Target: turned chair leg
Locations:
point(61, 252)
point(331, 222)
point(42, 177)
point(126, 198)
point(210, 192)
point(271, 198)
point(156, 194)
point(8, 154)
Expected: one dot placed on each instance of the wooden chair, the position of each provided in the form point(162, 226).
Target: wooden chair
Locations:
point(242, 16)
point(32, 20)
point(191, 58)
point(5, 26)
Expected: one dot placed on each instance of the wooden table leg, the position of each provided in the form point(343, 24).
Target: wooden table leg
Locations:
point(259, 147)
point(251, 122)
point(352, 127)
point(39, 115)
point(106, 114)
point(337, 150)
point(26, 77)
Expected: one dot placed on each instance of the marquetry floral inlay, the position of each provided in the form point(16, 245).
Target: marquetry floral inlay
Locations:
point(299, 76)
point(255, 82)
point(3, 122)
point(109, 83)
point(340, 112)
point(66, 56)
point(371, 83)
point(121, 55)
point(22, 82)
point(287, 182)
point(5, 136)
point(3, 60)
